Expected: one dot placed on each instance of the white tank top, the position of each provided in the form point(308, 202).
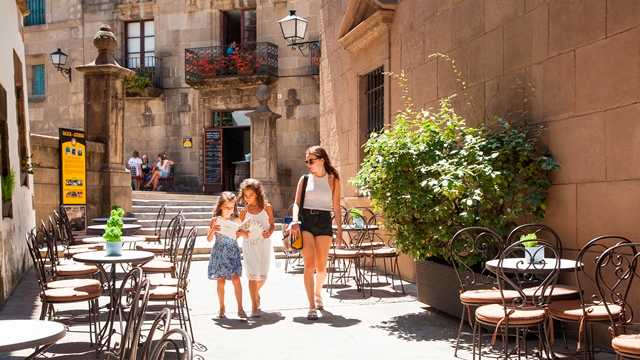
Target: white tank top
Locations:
point(318, 195)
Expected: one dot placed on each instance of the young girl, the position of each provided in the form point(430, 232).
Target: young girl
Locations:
point(225, 262)
point(258, 214)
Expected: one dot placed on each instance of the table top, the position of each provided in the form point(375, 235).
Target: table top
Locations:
point(514, 264)
point(25, 334)
point(103, 220)
point(124, 227)
point(351, 227)
point(101, 257)
point(101, 240)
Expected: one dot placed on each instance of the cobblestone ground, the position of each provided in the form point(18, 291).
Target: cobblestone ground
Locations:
point(386, 325)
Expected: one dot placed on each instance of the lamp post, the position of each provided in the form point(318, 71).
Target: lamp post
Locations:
point(294, 29)
point(59, 61)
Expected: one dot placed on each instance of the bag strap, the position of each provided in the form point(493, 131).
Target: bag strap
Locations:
point(304, 191)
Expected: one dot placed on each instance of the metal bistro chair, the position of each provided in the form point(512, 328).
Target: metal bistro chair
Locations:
point(523, 312)
point(616, 272)
point(55, 232)
point(588, 308)
point(157, 228)
point(64, 291)
point(166, 262)
point(161, 325)
point(343, 260)
point(183, 347)
point(160, 247)
point(175, 288)
point(468, 248)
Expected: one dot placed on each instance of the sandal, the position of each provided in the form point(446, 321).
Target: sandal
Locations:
point(221, 314)
point(242, 315)
point(312, 315)
point(319, 305)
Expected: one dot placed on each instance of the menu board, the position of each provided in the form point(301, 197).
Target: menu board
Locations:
point(73, 171)
point(213, 157)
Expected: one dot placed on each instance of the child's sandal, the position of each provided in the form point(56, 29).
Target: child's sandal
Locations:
point(312, 315)
point(221, 314)
point(242, 314)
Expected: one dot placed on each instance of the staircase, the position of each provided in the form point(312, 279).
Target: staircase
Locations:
point(196, 209)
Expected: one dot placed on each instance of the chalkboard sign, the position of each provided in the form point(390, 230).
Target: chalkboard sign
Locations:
point(213, 157)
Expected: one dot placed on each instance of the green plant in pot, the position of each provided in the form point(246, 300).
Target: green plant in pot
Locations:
point(113, 232)
point(357, 217)
point(533, 252)
point(8, 186)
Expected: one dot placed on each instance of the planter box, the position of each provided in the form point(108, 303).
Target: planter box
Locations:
point(438, 287)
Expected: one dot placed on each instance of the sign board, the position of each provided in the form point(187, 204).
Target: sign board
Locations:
point(73, 170)
point(187, 142)
point(213, 160)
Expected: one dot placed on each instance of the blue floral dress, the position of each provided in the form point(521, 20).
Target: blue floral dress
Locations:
point(225, 260)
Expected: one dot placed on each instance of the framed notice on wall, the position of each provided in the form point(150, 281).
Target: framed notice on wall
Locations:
point(73, 170)
point(212, 160)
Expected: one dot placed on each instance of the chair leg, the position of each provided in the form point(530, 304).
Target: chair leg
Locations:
point(397, 263)
point(464, 309)
point(186, 304)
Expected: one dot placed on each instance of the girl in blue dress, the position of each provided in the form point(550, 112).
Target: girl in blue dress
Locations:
point(225, 261)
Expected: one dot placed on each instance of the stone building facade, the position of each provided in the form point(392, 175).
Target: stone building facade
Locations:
point(156, 36)
point(18, 217)
point(570, 65)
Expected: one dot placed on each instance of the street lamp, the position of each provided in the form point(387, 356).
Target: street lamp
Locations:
point(59, 61)
point(294, 29)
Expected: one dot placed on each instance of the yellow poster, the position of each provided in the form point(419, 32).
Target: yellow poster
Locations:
point(73, 167)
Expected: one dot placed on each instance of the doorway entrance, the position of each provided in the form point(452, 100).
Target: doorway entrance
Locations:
point(227, 150)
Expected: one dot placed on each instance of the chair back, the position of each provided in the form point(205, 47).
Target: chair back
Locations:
point(51, 237)
point(161, 325)
point(185, 260)
point(542, 232)
point(586, 275)
point(177, 235)
point(157, 230)
point(67, 233)
point(517, 270)
point(170, 232)
point(133, 295)
point(616, 272)
point(36, 257)
point(469, 249)
point(183, 347)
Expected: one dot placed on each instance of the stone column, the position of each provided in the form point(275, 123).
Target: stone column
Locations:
point(264, 152)
point(104, 123)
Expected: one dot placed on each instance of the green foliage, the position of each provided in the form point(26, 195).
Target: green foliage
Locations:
point(113, 231)
point(137, 83)
point(431, 175)
point(529, 240)
point(8, 185)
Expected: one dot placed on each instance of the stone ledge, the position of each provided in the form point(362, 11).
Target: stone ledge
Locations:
point(367, 31)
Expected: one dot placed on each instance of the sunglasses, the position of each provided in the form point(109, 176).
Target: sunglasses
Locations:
point(311, 161)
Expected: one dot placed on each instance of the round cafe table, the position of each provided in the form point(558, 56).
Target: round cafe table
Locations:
point(127, 229)
point(511, 265)
point(100, 259)
point(24, 334)
point(129, 240)
point(103, 220)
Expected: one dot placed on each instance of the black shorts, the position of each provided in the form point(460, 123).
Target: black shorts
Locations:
point(317, 222)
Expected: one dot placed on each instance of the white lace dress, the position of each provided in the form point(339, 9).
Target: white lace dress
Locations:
point(256, 249)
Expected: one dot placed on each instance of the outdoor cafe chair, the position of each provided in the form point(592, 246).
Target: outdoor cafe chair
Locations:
point(160, 326)
point(162, 246)
point(616, 273)
point(520, 313)
point(165, 263)
point(468, 248)
point(342, 260)
point(588, 308)
point(52, 236)
point(54, 292)
point(175, 288)
point(545, 233)
point(376, 249)
point(157, 228)
point(133, 298)
point(182, 346)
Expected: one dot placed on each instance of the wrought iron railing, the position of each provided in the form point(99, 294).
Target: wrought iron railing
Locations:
point(211, 62)
point(149, 67)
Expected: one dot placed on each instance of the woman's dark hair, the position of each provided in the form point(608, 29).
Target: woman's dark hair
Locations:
point(162, 156)
point(224, 197)
point(136, 153)
point(320, 153)
point(256, 186)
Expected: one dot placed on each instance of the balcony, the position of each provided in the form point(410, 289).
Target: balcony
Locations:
point(148, 78)
point(220, 66)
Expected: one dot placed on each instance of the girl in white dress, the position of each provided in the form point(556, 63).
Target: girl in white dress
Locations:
point(258, 221)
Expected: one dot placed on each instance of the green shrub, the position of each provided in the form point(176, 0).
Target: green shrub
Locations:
point(113, 230)
point(8, 185)
point(431, 175)
point(137, 83)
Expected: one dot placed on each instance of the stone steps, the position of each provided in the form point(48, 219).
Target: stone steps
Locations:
point(141, 216)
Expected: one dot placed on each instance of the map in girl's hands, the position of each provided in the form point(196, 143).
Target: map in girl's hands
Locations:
point(228, 227)
point(254, 228)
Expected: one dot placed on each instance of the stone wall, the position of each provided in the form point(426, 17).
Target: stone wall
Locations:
point(570, 65)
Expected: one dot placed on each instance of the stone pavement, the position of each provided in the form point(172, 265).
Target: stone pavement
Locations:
point(386, 325)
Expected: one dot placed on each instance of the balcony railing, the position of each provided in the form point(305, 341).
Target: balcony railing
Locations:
point(148, 67)
point(208, 63)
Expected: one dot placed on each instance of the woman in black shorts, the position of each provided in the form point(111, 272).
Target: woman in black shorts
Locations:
point(321, 196)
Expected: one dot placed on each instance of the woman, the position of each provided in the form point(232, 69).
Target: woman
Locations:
point(162, 170)
point(313, 222)
point(146, 169)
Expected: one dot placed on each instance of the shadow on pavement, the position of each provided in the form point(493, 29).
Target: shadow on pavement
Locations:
point(267, 318)
point(329, 318)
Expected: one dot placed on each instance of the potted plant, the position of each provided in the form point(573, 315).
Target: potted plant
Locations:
point(533, 253)
point(8, 185)
point(430, 175)
point(113, 232)
point(357, 217)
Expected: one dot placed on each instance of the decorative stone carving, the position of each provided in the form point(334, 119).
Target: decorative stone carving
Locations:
point(106, 43)
point(291, 102)
point(147, 115)
point(262, 94)
point(184, 103)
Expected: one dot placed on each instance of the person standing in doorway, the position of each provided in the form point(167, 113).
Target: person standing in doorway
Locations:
point(321, 191)
point(134, 166)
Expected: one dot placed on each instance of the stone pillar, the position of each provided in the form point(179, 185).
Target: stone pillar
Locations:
point(104, 123)
point(264, 152)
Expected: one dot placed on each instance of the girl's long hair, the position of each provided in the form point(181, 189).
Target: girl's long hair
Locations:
point(257, 188)
point(320, 153)
point(224, 197)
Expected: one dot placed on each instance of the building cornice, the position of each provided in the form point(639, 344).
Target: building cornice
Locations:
point(367, 31)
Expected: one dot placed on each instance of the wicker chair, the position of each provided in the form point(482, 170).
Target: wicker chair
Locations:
point(522, 312)
point(616, 272)
point(588, 308)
